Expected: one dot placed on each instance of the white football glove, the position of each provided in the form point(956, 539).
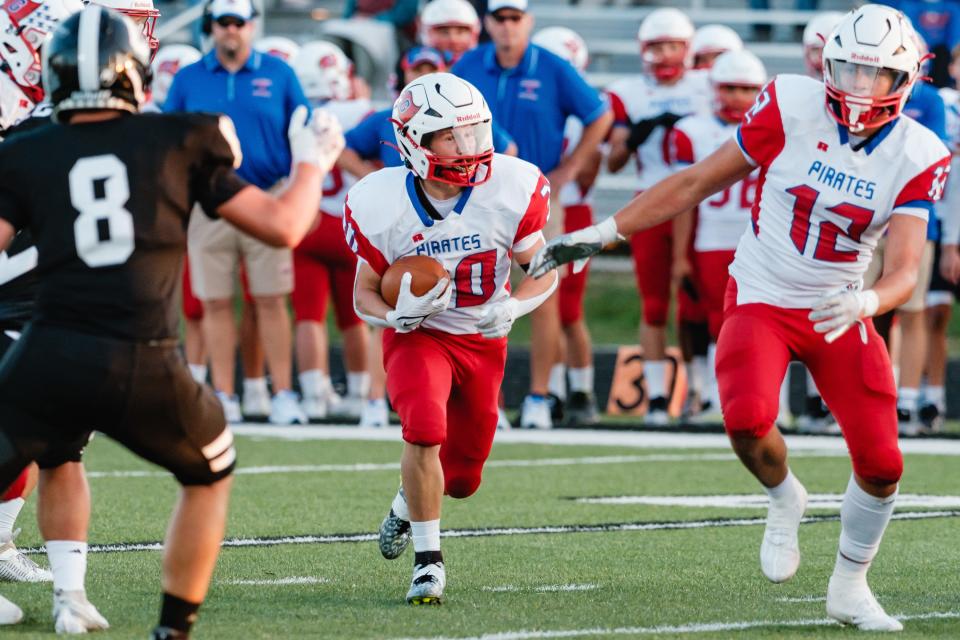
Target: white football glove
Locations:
point(835, 313)
point(576, 247)
point(411, 311)
point(497, 320)
point(317, 142)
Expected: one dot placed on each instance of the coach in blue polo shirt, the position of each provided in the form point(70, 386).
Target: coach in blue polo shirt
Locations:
point(531, 93)
point(259, 92)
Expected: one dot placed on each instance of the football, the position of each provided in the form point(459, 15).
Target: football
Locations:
point(425, 273)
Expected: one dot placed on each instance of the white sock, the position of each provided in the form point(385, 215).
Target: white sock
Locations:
point(655, 371)
point(399, 507)
point(698, 375)
point(426, 535)
point(908, 399)
point(557, 384)
point(358, 384)
point(936, 397)
point(785, 394)
point(199, 372)
point(786, 491)
point(9, 510)
point(811, 386)
point(255, 385)
point(581, 379)
point(68, 562)
point(863, 519)
point(312, 383)
point(712, 387)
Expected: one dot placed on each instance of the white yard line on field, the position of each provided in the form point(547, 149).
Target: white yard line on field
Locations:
point(277, 581)
point(548, 588)
point(707, 627)
point(335, 538)
point(761, 501)
point(588, 437)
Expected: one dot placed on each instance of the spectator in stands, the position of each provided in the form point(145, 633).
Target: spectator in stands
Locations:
point(531, 92)
point(259, 92)
point(938, 23)
point(402, 14)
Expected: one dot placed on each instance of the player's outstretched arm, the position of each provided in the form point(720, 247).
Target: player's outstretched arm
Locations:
point(284, 220)
point(498, 318)
point(836, 312)
point(663, 201)
point(411, 310)
point(6, 234)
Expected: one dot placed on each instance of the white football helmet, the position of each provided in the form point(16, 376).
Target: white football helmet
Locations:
point(710, 41)
point(24, 27)
point(283, 48)
point(449, 13)
point(441, 102)
point(142, 12)
point(168, 61)
point(665, 25)
point(565, 43)
point(324, 72)
point(870, 63)
point(815, 34)
point(736, 69)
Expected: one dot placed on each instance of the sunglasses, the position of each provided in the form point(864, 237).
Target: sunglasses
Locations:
point(507, 17)
point(231, 21)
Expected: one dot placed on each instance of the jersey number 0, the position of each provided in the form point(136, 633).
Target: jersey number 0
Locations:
point(99, 190)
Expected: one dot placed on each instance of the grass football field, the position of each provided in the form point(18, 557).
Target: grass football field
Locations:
point(534, 554)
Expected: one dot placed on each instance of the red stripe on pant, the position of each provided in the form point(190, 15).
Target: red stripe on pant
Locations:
point(757, 342)
point(445, 387)
point(322, 263)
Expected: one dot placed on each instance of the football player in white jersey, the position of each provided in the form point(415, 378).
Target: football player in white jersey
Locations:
point(718, 223)
point(323, 264)
point(576, 196)
point(839, 165)
point(645, 107)
point(710, 41)
point(472, 210)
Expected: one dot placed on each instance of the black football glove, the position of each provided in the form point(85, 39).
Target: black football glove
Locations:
point(641, 130)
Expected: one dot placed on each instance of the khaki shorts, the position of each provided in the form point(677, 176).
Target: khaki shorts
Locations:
point(215, 248)
point(917, 301)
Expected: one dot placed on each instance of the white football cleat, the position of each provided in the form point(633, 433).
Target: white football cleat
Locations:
point(503, 422)
point(850, 601)
point(285, 409)
point(315, 408)
point(231, 407)
point(256, 401)
point(348, 406)
point(9, 612)
point(73, 613)
point(16, 567)
point(375, 413)
point(535, 413)
point(657, 414)
point(780, 549)
point(426, 586)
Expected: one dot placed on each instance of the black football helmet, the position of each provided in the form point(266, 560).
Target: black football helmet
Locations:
point(97, 59)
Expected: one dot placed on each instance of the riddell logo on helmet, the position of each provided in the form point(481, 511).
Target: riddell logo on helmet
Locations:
point(469, 118)
point(856, 57)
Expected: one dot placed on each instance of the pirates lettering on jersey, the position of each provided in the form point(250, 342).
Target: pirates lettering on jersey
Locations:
point(385, 219)
point(841, 182)
point(823, 203)
point(725, 216)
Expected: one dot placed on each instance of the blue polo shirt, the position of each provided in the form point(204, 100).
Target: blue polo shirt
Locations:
point(366, 139)
point(259, 98)
point(533, 100)
point(926, 107)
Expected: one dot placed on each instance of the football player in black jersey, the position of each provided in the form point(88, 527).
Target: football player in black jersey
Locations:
point(106, 193)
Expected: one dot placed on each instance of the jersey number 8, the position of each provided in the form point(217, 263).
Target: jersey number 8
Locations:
point(99, 190)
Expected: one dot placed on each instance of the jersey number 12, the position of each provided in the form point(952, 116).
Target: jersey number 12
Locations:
point(99, 190)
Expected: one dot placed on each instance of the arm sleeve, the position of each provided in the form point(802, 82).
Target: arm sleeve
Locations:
point(918, 195)
point(577, 97)
point(365, 137)
point(214, 181)
point(760, 135)
point(359, 243)
point(680, 148)
point(537, 213)
point(620, 117)
point(501, 139)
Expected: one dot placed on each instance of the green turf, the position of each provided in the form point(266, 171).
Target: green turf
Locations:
point(642, 578)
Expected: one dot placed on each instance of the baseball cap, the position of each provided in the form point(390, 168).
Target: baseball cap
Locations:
point(242, 9)
point(420, 55)
point(495, 5)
